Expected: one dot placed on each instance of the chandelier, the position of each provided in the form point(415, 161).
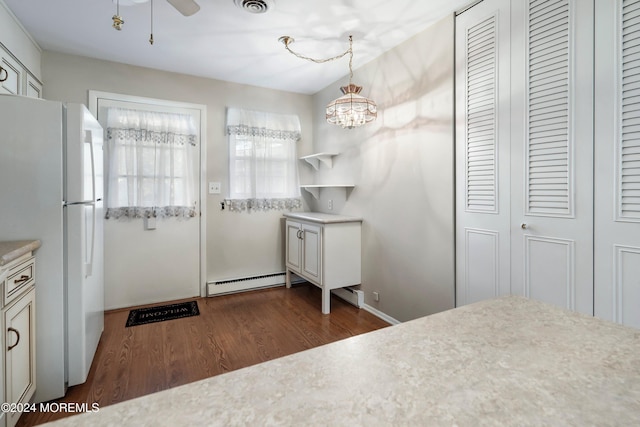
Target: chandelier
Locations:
point(351, 110)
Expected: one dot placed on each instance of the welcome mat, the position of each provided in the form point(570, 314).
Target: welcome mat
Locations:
point(141, 316)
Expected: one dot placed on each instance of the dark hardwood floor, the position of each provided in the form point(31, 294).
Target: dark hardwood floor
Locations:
point(231, 332)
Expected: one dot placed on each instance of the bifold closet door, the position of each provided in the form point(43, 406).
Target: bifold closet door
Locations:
point(524, 152)
point(617, 161)
point(482, 152)
point(552, 152)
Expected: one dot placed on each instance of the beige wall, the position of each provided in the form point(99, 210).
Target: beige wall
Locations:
point(402, 165)
point(403, 169)
point(237, 244)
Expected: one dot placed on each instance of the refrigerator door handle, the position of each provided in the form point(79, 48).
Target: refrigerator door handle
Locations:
point(89, 266)
point(89, 140)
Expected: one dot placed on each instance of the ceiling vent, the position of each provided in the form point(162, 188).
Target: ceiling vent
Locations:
point(255, 6)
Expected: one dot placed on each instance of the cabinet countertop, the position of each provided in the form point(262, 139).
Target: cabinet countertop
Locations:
point(508, 361)
point(11, 250)
point(322, 218)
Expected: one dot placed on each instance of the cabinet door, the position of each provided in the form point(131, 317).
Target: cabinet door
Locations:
point(312, 252)
point(294, 248)
point(34, 87)
point(14, 74)
point(19, 341)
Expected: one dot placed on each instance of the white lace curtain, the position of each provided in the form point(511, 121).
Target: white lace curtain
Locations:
point(263, 172)
point(150, 159)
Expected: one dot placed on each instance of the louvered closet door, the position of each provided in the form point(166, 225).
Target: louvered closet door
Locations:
point(482, 152)
point(552, 152)
point(617, 145)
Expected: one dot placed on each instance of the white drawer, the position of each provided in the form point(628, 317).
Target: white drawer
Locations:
point(20, 277)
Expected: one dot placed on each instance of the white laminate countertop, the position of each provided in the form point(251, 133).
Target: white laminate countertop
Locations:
point(15, 249)
point(509, 361)
point(321, 218)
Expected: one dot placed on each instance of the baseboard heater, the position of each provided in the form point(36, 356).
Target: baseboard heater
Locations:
point(350, 295)
point(229, 286)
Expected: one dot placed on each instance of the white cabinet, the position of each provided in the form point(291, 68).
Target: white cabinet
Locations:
point(325, 250)
point(304, 249)
point(17, 278)
point(19, 337)
point(16, 79)
point(11, 75)
point(33, 88)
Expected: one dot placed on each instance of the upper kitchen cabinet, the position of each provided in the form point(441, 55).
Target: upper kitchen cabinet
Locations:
point(20, 58)
point(15, 79)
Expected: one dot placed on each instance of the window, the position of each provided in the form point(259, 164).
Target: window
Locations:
point(150, 159)
point(263, 171)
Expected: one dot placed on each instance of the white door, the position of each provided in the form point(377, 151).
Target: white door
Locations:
point(617, 161)
point(552, 152)
point(146, 264)
point(294, 248)
point(482, 151)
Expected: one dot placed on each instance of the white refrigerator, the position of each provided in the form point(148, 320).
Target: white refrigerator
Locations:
point(51, 176)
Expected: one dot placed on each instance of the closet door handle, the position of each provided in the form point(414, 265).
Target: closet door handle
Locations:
point(11, 347)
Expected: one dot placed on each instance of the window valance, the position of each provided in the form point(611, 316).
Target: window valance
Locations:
point(262, 124)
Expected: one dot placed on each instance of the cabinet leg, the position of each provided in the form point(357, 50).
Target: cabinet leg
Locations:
point(326, 301)
point(287, 278)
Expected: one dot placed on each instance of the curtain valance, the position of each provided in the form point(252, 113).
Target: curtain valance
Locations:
point(261, 124)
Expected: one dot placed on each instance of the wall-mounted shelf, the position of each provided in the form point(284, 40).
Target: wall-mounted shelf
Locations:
point(315, 159)
point(314, 189)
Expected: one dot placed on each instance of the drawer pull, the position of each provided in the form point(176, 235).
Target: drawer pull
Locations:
point(11, 347)
point(23, 278)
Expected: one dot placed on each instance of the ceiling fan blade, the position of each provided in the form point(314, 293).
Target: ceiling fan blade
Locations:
point(185, 7)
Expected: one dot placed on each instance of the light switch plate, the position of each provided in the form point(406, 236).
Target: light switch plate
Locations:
point(214, 188)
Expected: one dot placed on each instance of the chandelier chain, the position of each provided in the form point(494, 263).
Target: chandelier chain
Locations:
point(351, 110)
point(349, 51)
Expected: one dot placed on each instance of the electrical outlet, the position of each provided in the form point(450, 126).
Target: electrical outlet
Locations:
point(330, 204)
point(214, 188)
point(376, 296)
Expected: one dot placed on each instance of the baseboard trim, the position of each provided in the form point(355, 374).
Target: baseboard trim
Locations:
point(380, 314)
point(233, 286)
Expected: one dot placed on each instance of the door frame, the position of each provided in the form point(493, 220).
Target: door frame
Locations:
point(95, 95)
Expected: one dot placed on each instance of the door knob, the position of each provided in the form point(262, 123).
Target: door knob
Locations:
point(524, 226)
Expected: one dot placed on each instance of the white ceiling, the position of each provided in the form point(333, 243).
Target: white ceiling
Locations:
point(225, 42)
